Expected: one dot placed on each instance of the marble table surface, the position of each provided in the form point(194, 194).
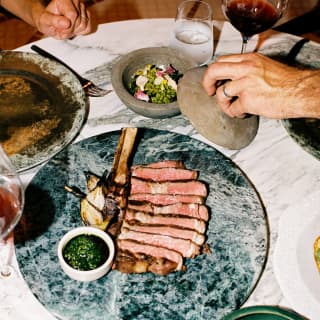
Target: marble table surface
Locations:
point(282, 172)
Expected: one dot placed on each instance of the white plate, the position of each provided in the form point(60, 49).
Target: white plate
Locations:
point(294, 264)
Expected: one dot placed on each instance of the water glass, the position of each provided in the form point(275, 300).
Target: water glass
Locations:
point(193, 31)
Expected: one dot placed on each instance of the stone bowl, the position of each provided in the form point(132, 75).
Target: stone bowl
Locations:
point(127, 65)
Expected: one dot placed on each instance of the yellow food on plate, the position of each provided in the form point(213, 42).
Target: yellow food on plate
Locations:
point(316, 252)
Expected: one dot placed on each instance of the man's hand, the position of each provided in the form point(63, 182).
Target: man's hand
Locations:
point(63, 19)
point(262, 86)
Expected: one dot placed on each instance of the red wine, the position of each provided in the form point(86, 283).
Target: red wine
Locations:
point(9, 209)
point(251, 16)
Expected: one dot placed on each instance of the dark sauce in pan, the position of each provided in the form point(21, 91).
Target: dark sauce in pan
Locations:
point(31, 111)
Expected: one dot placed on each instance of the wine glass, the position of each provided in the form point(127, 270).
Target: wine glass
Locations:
point(251, 17)
point(11, 207)
point(193, 31)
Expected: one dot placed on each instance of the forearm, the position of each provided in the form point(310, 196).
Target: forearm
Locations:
point(308, 95)
point(27, 10)
point(61, 19)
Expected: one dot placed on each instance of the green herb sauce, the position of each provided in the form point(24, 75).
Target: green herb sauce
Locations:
point(318, 254)
point(85, 252)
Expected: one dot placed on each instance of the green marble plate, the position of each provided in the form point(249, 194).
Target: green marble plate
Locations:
point(263, 313)
point(306, 132)
point(213, 285)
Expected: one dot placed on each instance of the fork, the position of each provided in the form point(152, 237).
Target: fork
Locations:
point(88, 86)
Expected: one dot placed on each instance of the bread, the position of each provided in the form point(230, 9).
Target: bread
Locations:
point(316, 252)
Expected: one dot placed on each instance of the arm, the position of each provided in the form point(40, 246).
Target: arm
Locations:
point(264, 87)
point(61, 19)
point(24, 9)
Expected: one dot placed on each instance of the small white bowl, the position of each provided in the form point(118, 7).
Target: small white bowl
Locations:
point(89, 275)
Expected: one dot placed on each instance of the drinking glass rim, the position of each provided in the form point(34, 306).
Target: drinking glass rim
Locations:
point(208, 17)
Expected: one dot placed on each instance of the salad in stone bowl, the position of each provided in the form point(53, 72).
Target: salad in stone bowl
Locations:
point(155, 84)
point(146, 80)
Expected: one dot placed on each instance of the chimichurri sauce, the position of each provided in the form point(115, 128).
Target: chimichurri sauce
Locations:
point(85, 252)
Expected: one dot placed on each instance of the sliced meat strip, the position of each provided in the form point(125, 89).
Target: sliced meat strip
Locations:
point(163, 164)
point(146, 218)
point(186, 248)
point(164, 174)
point(158, 253)
point(175, 232)
point(128, 262)
point(193, 187)
point(165, 199)
point(193, 210)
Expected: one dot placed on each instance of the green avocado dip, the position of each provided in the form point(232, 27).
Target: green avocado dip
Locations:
point(85, 252)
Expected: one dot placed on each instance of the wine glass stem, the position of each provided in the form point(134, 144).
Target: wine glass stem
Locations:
point(6, 253)
point(244, 44)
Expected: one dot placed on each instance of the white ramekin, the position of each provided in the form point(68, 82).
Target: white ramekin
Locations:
point(89, 275)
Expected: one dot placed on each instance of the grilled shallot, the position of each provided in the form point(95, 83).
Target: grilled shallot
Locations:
point(106, 197)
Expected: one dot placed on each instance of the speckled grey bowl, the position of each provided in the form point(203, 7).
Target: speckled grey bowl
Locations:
point(127, 65)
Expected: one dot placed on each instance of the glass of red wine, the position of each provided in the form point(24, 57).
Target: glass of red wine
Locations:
point(11, 207)
point(251, 17)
